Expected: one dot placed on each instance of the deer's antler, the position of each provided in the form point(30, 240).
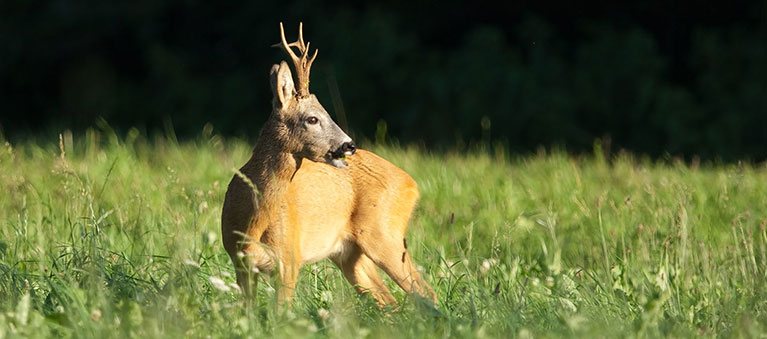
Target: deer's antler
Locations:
point(303, 64)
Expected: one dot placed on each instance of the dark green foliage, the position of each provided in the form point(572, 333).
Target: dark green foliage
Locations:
point(694, 84)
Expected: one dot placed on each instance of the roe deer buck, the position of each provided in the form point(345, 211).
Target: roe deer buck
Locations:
point(299, 199)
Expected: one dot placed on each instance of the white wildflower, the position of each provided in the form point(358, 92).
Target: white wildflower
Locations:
point(326, 296)
point(568, 305)
point(95, 314)
point(190, 262)
point(235, 287)
point(219, 284)
point(210, 238)
point(487, 264)
point(323, 314)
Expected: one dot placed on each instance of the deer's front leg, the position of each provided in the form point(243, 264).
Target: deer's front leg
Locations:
point(254, 258)
point(291, 264)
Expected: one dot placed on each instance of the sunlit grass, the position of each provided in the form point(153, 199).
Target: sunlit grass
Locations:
point(104, 236)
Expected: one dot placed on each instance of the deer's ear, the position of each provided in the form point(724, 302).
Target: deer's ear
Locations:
point(283, 88)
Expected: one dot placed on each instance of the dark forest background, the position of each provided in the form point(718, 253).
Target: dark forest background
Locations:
point(653, 77)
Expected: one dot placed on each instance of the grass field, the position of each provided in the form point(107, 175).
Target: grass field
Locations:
point(103, 236)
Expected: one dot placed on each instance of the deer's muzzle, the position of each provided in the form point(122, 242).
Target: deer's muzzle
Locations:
point(336, 157)
point(346, 149)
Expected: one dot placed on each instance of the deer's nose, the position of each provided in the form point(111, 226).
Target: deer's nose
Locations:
point(348, 148)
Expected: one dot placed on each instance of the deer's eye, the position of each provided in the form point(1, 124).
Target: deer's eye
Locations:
point(312, 120)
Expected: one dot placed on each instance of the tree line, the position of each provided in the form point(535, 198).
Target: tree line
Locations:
point(525, 79)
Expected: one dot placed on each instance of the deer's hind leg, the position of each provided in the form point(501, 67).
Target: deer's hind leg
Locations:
point(398, 264)
point(362, 273)
point(384, 243)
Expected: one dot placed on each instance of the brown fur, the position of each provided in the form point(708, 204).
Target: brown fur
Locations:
point(300, 209)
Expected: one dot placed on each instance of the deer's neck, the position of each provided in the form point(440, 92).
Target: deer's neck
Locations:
point(271, 166)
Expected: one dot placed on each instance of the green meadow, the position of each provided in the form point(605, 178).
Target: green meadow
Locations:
point(119, 236)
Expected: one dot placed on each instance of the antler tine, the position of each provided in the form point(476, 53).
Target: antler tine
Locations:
point(301, 34)
point(311, 60)
point(302, 63)
point(286, 46)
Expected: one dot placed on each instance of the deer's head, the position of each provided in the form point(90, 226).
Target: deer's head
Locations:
point(305, 126)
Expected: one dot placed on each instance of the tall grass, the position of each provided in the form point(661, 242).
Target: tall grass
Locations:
point(103, 236)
